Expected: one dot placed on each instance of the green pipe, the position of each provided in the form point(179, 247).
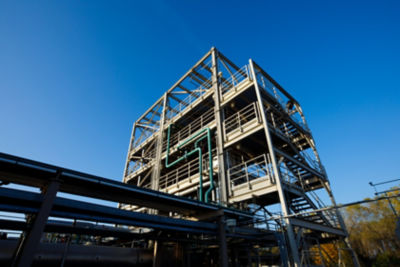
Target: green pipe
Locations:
point(210, 163)
point(187, 154)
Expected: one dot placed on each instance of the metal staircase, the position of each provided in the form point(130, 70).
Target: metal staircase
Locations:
point(303, 204)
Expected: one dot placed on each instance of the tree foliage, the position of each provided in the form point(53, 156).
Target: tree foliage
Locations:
point(371, 228)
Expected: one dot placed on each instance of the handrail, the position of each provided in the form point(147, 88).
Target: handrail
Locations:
point(245, 171)
point(197, 124)
point(240, 118)
point(185, 171)
point(278, 124)
point(172, 112)
point(234, 79)
point(184, 103)
point(205, 119)
point(265, 83)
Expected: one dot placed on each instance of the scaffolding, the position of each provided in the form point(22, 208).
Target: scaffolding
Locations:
point(261, 156)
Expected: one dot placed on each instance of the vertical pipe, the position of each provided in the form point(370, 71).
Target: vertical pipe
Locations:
point(198, 150)
point(210, 162)
point(285, 210)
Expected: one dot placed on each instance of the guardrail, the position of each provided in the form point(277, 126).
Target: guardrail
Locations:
point(235, 79)
point(197, 124)
point(330, 215)
point(142, 161)
point(186, 171)
point(287, 175)
point(255, 168)
point(241, 118)
point(280, 98)
point(184, 103)
point(282, 127)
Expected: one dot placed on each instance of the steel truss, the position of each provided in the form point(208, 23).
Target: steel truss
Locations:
point(263, 151)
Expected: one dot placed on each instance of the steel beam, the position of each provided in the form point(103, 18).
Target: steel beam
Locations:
point(129, 152)
point(302, 165)
point(53, 226)
point(32, 173)
point(30, 241)
point(317, 227)
point(277, 85)
point(13, 200)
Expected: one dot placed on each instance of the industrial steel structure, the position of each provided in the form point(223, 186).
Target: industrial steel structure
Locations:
point(234, 137)
point(117, 243)
point(221, 171)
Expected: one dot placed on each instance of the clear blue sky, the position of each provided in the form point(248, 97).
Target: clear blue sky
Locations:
point(74, 75)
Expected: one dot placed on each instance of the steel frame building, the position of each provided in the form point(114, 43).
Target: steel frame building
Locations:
point(233, 136)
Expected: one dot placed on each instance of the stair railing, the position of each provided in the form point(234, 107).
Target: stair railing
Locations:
point(330, 215)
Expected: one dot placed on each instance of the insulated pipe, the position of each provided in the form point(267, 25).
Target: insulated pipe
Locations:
point(187, 154)
point(210, 162)
point(52, 254)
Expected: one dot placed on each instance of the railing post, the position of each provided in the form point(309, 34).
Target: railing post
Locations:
point(273, 120)
point(229, 182)
point(239, 122)
point(256, 111)
point(177, 175)
point(189, 170)
point(247, 175)
point(266, 165)
point(224, 131)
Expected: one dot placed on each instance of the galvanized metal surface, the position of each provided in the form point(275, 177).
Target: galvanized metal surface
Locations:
point(265, 155)
point(254, 118)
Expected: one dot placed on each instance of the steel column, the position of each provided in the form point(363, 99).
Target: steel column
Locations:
point(218, 120)
point(223, 249)
point(281, 194)
point(328, 188)
point(129, 152)
point(155, 178)
point(125, 175)
point(28, 245)
point(157, 254)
